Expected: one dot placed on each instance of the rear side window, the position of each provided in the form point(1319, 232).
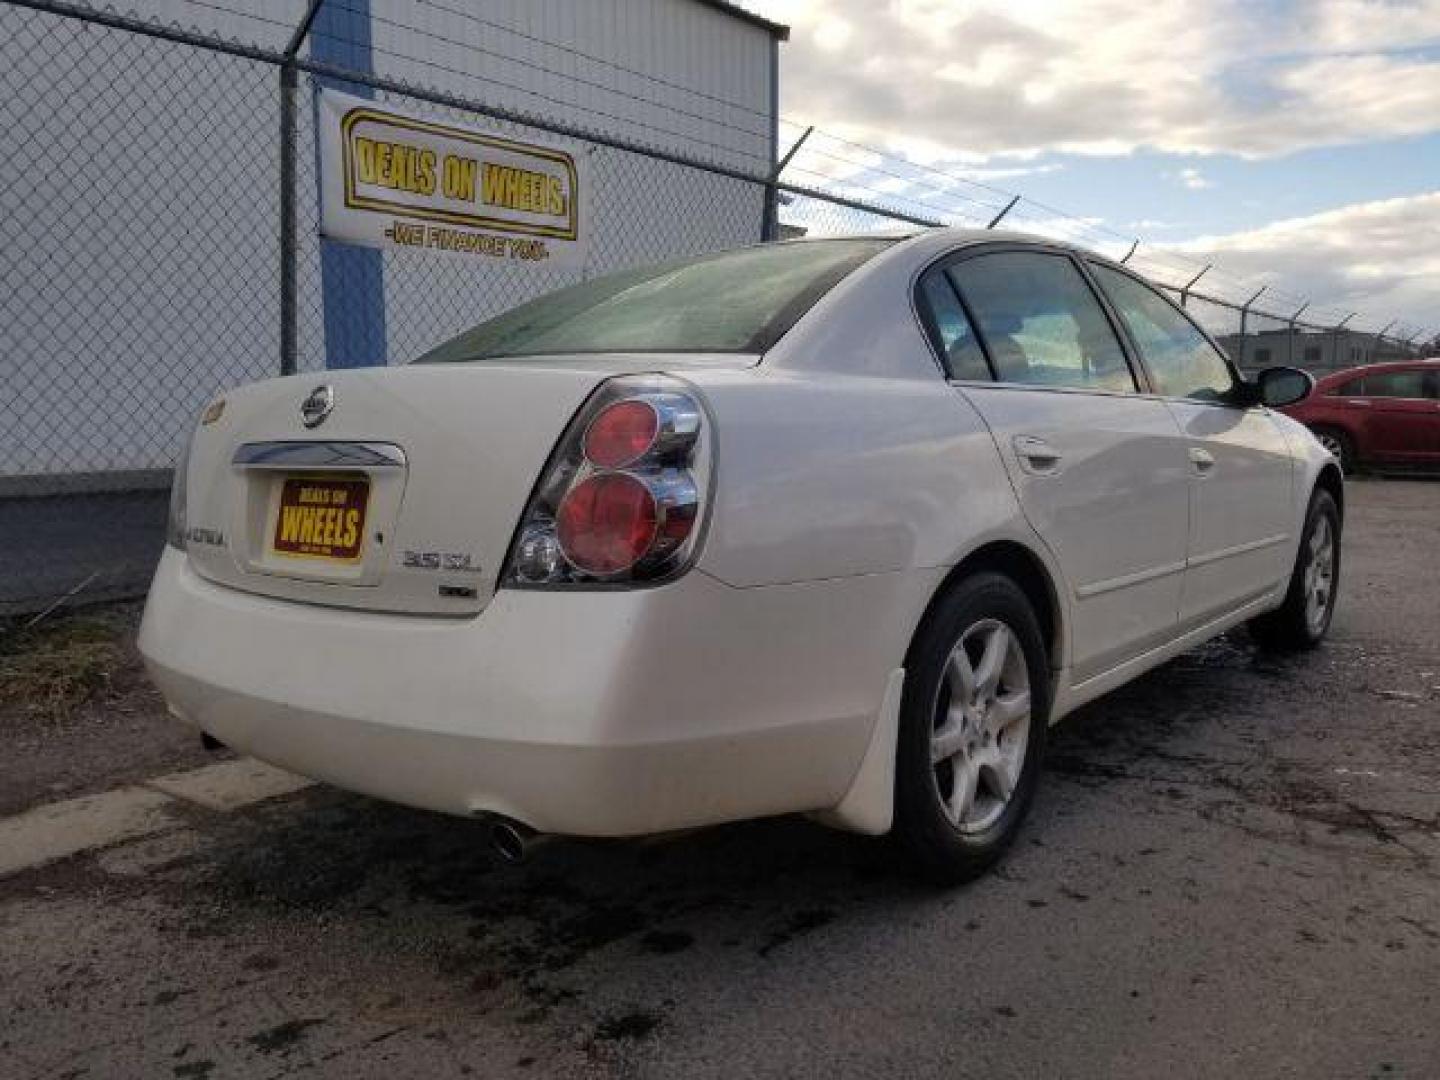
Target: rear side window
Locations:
point(1180, 358)
point(735, 302)
point(1041, 323)
point(950, 327)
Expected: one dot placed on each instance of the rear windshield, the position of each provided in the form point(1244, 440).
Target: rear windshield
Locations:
point(735, 302)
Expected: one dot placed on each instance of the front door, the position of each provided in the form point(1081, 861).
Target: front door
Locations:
point(1099, 470)
point(1240, 469)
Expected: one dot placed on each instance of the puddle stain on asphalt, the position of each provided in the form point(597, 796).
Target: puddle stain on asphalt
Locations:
point(284, 1037)
point(631, 1025)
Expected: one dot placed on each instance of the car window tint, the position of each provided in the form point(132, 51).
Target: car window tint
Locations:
point(1179, 356)
point(1353, 388)
point(736, 301)
point(1395, 384)
point(951, 328)
point(1041, 322)
point(1432, 384)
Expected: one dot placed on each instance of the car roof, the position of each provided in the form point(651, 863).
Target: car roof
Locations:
point(940, 239)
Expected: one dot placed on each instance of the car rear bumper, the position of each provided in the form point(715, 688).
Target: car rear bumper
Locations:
point(586, 713)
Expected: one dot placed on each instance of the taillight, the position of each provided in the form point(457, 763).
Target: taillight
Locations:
point(621, 433)
point(606, 524)
point(621, 498)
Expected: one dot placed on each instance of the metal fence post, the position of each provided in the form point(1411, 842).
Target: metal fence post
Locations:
point(1380, 338)
point(1185, 292)
point(1001, 215)
point(289, 279)
point(770, 229)
point(1290, 338)
point(1335, 347)
point(1244, 318)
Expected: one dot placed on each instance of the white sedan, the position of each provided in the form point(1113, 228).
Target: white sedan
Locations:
point(833, 526)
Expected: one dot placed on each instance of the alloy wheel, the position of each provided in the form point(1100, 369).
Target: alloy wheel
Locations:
point(981, 725)
point(1319, 574)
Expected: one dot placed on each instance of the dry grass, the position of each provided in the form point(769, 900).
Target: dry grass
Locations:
point(63, 664)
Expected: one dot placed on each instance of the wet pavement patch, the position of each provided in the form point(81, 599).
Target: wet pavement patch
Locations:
point(801, 923)
point(283, 1038)
point(631, 1025)
point(666, 941)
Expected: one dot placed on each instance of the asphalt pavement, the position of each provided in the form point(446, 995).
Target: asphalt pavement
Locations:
point(1231, 871)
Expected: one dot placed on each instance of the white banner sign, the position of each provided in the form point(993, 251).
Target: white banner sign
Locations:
point(394, 180)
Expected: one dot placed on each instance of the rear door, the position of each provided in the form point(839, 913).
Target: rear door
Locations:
point(1240, 468)
point(1099, 470)
point(1404, 420)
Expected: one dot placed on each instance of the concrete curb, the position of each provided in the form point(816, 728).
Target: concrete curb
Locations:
point(59, 830)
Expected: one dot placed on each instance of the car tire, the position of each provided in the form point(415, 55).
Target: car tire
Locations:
point(1340, 445)
point(1302, 621)
point(982, 642)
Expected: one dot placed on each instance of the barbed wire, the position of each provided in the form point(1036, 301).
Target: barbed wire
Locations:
point(944, 194)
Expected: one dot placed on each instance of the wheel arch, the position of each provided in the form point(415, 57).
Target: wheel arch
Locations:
point(1330, 480)
point(1029, 571)
point(1337, 427)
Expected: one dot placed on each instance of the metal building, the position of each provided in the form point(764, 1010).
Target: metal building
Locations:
point(141, 193)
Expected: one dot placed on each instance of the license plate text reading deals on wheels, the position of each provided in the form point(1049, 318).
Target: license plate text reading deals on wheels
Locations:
point(321, 518)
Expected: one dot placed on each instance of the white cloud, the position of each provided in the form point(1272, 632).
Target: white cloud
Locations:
point(1019, 77)
point(1192, 179)
point(1364, 257)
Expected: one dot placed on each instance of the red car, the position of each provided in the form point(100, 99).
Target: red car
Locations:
point(1385, 415)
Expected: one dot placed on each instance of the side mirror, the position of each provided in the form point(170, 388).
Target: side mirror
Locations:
point(1280, 386)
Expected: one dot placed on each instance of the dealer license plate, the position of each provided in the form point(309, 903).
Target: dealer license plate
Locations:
point(321, 518)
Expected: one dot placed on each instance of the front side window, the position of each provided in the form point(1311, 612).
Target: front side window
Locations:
point(1180, 358)
point(1041, 323)
point(950, 328)
point(1396, 384)
point(735, 302)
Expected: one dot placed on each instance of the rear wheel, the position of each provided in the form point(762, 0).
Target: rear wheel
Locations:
point(1339, 446)
point(972, 728)
point(1303, 620)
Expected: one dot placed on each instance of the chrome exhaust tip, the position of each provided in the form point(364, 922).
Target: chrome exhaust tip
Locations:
point(511, 842)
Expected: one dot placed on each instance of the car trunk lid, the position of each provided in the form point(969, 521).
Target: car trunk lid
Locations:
point(403, 498)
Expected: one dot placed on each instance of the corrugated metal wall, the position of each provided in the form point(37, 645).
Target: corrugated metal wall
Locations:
point(673, 73)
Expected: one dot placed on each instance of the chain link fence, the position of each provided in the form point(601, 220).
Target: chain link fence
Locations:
point(144, 234)
point(148, 237)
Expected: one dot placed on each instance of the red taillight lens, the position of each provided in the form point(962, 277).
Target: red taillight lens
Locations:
point(606, 524)
point(621, 502)
point(621, 434)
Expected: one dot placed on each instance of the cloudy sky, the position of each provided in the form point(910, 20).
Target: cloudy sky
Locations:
point(1295, 141)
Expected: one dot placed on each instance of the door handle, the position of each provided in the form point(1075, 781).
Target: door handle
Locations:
point(1202, 459)
point(1036, 455)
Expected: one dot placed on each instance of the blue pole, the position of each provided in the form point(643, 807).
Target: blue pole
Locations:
point(352, 277)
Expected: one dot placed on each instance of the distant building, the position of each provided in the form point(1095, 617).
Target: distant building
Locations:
point(1313, 350)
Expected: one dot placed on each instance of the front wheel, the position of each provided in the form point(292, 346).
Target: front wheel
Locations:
point(972, 728)
point(1302, 621)
point(1338, 445)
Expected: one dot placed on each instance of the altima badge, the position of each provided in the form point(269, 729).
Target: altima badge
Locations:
point(315, 408)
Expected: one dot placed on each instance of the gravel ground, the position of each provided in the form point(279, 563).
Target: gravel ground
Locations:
point(77, 714)
point(1231, 871)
